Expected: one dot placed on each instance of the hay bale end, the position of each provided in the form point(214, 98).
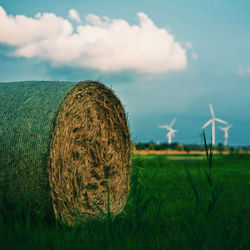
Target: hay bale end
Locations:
point(63, 143)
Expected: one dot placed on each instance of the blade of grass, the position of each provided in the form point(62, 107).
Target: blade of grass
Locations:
point(205, 142)
point(210, 157)
point(196, 194)
point(99, 209)
point(109, 215)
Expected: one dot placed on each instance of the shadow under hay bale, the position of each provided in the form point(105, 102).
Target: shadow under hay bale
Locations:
point(62, 143)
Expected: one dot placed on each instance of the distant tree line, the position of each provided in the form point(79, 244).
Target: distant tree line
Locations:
point(187, 147)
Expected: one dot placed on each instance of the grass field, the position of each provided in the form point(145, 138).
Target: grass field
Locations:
point(175, 203)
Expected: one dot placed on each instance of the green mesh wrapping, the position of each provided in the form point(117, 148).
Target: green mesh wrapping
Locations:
point(28, 113)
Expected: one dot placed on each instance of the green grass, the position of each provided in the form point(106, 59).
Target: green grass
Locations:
point(173, 204)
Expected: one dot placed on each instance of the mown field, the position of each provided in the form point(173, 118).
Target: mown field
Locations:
point(175, 202)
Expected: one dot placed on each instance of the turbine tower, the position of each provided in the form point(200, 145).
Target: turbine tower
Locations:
point(225, 129)
point(170, 130)
point(212, 120)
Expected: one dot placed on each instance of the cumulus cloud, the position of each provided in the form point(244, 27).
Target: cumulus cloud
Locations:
point(101, 43)
point(194, 56)
point(243, 70)
point(73, 15)
point(189, 45)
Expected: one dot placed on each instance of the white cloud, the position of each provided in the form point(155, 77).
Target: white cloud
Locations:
point(21, 30)
point(194, 56)
point(73, 15)
point(188, 45)
point(243, 70)
point(102, 43)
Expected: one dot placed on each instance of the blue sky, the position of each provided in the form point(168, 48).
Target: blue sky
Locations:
point(164, 59)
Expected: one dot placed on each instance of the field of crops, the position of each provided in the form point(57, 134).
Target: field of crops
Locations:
point(175, 202)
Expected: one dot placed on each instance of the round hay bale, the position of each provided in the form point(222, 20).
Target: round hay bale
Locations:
point(64, 145)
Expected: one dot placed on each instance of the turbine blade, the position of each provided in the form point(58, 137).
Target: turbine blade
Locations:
point(219, 127)
point(207, 123)
point(211, 110)
point(163, 126)
point(219, 120)
point(172, 123)
point(172, 133)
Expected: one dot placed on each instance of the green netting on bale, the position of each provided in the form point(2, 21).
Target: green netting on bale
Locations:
point(61, 145)
point(27, 115)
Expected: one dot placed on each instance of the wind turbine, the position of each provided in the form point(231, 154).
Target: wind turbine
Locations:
point(212, 120)
point(170, 130)
point(225, 129)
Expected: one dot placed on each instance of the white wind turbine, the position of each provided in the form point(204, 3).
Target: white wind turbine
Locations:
point(170, 130)
point(212, 120)
point(225, 129)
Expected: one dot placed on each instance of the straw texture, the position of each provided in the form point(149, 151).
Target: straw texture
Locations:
point(61, 144)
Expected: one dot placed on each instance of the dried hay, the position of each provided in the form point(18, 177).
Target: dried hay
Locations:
point(63, 144)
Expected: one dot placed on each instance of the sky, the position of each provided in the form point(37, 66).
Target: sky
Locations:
point(164, 59)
